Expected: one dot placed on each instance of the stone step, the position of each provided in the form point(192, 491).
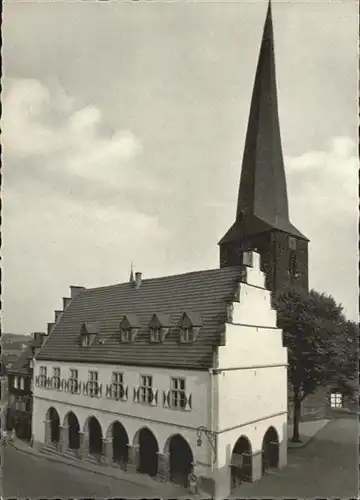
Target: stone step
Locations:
point(53, 451)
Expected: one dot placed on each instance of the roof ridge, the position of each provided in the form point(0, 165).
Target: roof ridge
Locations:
point(158, 278)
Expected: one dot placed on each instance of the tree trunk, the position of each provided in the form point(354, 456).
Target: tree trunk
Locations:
point(296, 418)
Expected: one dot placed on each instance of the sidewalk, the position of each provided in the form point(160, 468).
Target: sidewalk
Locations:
point(164, 490)
point(308, 431)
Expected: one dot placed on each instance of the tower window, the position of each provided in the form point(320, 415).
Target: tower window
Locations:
point(292, 264)
point(292, 243)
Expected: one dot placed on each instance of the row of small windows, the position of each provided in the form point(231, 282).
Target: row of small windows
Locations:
point(158, 327)
point(145, 393)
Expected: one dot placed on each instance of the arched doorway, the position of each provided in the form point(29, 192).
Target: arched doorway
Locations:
point(120, 443)
point(180, 458)
point(95, 437)
point(270, 449)
point(148, 449)
point(73, 431)
point(54, 418)
point(241, 462)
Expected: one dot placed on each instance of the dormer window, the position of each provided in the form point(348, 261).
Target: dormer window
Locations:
point(85, 340)
point(129, 328)
point(189, 325)
point(159, 327)
point(125, 334)
point(88, 332)
point(155, 334)
point(187, 334)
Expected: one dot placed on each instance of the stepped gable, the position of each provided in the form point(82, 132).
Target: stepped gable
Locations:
point(203, 293)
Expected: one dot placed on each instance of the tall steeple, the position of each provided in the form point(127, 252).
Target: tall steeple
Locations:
point(262, 207)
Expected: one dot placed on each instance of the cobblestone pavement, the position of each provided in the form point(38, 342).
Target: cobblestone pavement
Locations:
point(327, 467)
point(29, 476)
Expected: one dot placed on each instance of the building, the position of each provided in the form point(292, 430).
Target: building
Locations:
point(11, 348)
point(20, 382)
point(165, 376)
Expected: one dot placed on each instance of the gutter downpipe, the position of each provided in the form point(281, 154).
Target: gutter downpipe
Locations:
point(213, 454)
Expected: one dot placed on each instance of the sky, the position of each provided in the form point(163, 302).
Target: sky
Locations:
point(123, 131)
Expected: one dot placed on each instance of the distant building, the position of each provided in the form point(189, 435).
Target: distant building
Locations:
point(19, 382)
point(11, 348)
point(165, 376)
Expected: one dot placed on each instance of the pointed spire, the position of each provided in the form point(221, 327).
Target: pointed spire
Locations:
point(262, 189)
point(132, 279)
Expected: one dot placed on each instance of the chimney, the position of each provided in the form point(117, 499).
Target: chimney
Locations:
point(75, 290)
point(50, 326)
point(137, 280)
point(58, 315)
point(38, 339)
point(66, 302)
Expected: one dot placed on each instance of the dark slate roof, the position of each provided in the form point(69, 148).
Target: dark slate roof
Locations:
point(262, 198)
point(20, 365)
point(200, 294)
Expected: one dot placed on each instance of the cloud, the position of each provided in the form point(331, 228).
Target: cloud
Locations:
point(323, 194)
point(43, 123)
point(67, 215)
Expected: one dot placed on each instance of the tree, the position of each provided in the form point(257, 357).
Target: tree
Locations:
point(316, 334)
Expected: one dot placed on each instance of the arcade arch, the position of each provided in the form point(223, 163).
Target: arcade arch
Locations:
point(120, 442)
point(270, 449)
point(148, 452)
point(72, 423)
point(241, 462)
point(180, 459)
point(53, 417)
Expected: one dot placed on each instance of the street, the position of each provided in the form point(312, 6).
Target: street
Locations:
point(27, 476)
point(327, 467)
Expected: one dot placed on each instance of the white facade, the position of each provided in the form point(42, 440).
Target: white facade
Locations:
point(244, 395)
point(163, 422)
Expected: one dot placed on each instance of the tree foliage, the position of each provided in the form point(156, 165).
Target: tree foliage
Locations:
point(322, 344)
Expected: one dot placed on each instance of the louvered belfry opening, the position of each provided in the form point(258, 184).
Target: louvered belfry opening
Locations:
point(148, 450)
point(270, 450)
point(54, 418)
point(181, 459)
point(120, 443)
point(73, 431)
point(95, 437)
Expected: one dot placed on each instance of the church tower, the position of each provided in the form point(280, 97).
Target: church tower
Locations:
point(262, 217)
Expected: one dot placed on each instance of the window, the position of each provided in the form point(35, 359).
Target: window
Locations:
point(16, 382)
point(43, 375)
point(178, 396)
point(125, 335)
point(20, 403)
point(73, 381)
point(146, 390)
point(292, 243)
point(292, 264)
point(31, 363)
point(22, 383)
point(155, 334)
point(85, 340)
point(117, 385)
point(336, 400)
point(93, 383)
point(56, 378)
point(186, 334)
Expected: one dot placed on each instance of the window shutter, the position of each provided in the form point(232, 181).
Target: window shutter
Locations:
point(168, 398)
point(135, 393)
point(156, 397)
point(100, 391)
point(107, 390)
point(126, 394)
point(188, 402)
